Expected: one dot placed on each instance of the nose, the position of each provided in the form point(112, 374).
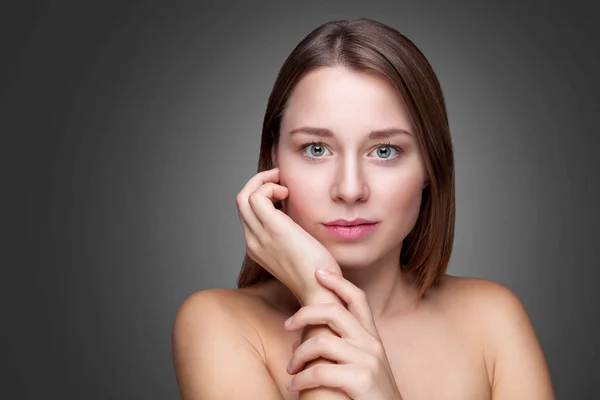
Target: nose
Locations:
point(350, 185)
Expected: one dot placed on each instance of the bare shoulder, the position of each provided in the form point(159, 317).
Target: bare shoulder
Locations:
point(215, 305)
point(233, 301)
point(513, 354)
point(222, 307)
point(215, 343)
point(486, 301)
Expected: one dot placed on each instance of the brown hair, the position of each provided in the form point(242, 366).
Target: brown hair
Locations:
point(367, 45)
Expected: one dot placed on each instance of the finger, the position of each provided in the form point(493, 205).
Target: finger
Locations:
point(270, 175)
point(262, 203)
point(296, 344)
point(249, 220)
point(334, 315)
point(342, 376)
point(353, 296)
point(329, 346)
point(247, 231)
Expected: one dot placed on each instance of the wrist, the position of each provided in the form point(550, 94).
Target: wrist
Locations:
point(319, 295)
point(309, 290)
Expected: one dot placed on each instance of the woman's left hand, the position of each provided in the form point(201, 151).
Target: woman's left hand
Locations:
point(362, 369)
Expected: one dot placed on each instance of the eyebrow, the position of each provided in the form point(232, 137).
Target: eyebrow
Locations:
point(377, 134)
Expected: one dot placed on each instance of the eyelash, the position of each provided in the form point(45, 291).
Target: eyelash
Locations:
point(384, 144)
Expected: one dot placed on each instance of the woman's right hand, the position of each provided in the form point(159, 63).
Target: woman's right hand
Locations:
point(277, 242)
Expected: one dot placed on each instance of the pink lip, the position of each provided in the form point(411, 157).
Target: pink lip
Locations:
point(345, 230)
point(343, 222)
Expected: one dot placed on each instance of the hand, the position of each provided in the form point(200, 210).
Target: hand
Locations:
point(362, 369)
point(278, 243)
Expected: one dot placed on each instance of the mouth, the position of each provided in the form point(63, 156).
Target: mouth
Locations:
point(354, 229)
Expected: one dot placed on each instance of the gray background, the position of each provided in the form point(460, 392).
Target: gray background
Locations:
point(128, 130)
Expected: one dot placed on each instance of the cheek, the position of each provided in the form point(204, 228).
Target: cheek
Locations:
point(401, 200)
point(305, 194)
point(404, 194)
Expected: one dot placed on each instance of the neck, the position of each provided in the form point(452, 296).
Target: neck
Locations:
point(390, 291)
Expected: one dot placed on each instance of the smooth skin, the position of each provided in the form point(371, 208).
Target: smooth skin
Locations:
point(362, 371)
point(361, 332)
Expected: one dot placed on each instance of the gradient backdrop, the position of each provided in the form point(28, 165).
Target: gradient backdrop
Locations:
point(127, 131)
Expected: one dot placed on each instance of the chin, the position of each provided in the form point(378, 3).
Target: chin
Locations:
point(352, 256)
point(361, 254)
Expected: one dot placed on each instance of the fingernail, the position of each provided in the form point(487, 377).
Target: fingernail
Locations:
point(323, 272)
point(288, 384)
point(288, 322)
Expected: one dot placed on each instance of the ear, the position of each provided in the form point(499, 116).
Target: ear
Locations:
point(426, 181)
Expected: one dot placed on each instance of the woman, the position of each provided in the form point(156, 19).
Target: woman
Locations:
point(356, 178)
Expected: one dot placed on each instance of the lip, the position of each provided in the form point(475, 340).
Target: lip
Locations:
point(343, 222)
point(354, 229)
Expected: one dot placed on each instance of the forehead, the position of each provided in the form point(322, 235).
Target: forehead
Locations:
point(345, 101)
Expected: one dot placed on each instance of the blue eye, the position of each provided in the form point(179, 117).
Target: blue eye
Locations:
point(316, 149)
point(385, 150)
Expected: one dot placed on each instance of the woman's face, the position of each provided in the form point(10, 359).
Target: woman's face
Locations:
point(356, 172)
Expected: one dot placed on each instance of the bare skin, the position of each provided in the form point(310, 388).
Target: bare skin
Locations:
point(435, 350)
point(455, 344)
